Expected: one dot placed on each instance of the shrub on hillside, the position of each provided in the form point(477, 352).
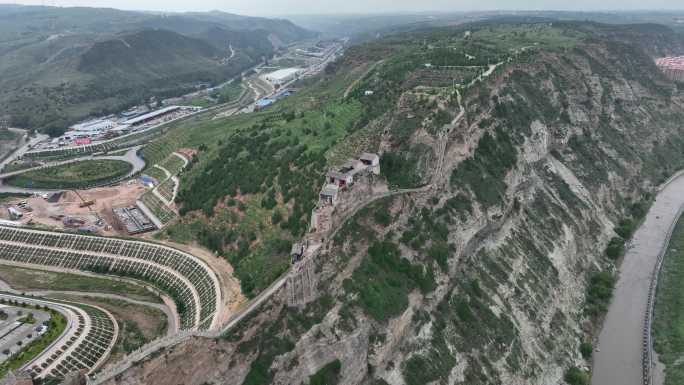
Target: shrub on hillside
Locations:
point(576, 376)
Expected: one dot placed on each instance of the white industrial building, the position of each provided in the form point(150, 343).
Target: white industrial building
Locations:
point(97, 125)
point(282, 76)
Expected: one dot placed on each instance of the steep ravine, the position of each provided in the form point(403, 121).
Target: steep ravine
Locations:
point(483, 278)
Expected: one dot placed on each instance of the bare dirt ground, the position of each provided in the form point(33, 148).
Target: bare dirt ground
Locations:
point(105, 199)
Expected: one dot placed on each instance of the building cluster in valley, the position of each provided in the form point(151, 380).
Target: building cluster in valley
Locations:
point(113, 126)
point(672, 67)
point(265, 102)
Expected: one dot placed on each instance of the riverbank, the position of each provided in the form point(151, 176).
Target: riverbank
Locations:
point(668, 326)
point(618, 358)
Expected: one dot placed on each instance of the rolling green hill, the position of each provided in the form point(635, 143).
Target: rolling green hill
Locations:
point(58, 65)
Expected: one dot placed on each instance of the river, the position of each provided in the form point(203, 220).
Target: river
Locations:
point(617, 361)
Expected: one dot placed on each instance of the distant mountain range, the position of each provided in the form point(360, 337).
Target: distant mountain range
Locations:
point(58, 65)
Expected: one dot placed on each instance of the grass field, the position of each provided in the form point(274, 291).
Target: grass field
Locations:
point(229, 93)
point(668, 327)
point(173, 164)
point(57, 324)
point(74, 175)
point(156, 173)
point(28, 279)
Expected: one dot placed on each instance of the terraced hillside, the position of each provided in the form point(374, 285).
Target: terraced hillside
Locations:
point(190, 283)
point(160, 200)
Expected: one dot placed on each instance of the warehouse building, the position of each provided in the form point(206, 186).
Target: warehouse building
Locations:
point(142, 119)
point(282, 76)
point(94, 126)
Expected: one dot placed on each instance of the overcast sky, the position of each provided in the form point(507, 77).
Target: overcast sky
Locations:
point(285, 7)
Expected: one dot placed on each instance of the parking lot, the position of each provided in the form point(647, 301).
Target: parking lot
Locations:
point(13, 332)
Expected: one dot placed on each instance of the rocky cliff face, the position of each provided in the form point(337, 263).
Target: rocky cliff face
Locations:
point(480, 277)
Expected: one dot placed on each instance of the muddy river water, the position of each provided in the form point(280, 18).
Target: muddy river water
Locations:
point(617, 361)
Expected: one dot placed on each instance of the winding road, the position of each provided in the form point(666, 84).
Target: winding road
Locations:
point(131, 157)
point(618, 358)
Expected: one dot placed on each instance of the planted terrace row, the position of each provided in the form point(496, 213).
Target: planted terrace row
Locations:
point(164, 280)
point(132, 259)
point(85, 344)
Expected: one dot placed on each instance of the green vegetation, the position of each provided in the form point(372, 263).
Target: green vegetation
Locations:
point(229, 93)
point(156, 173)
point(599, 293)
point(484, 172)
point(384, 280)
point(29, 319)
point(73, 175)
point(586, 349)
point(419, 369)
point(158, 208)
point(615, 248)
point(428, 233)
point(327, 375)
point(50, 85)
point(232, 197)
point(23, 279)
point(173, 164)
point(401, 169)
point(56, 326)
point(668, 325)
point(576, 376)
point(166, 188)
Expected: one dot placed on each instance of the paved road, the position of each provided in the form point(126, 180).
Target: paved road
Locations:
point(619, 360)
point(172, 325)
point(171, 316)
point(19, 152)
point(130, 156)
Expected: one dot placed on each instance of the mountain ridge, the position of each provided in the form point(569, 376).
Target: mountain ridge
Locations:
point(54, 75)
point(486, 275)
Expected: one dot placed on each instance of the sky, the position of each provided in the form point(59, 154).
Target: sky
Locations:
point(288, 7)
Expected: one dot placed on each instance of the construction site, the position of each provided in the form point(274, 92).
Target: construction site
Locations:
point(87, 211)
point(141, 203)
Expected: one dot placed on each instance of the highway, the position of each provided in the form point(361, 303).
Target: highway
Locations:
point(618, 357)
point(21, 150)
